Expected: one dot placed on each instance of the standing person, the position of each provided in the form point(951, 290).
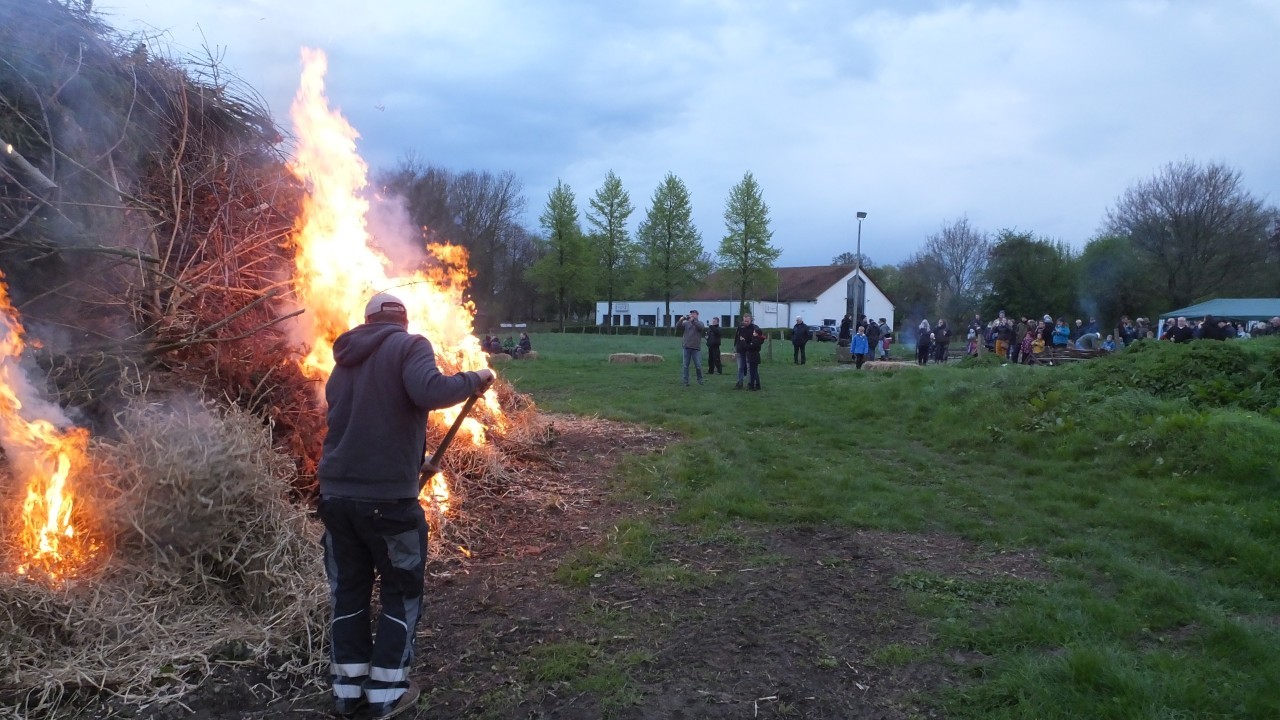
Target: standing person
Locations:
point(943, 346)
point(1061, 334)
point(923, 346)
point(846, 330)
point(754, 343)
point(714, 366)
point(742, 338)
point(859, 347)
point(886, 337)
point(382, 387)
point(799, 338)
point(691, 342)
point(873, 339)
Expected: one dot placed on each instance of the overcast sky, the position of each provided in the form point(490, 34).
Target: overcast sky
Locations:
point(1027, 114)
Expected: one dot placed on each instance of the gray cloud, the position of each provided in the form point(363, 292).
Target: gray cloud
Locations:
point(1032, 114)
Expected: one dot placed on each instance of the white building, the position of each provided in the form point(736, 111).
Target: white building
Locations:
point(820, 295)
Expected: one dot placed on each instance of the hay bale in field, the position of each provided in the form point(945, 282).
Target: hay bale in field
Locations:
point(622, 358)
point(887, 365)
point(728, 357)
point(648, 358)
point(531, 355)
point(499, 358)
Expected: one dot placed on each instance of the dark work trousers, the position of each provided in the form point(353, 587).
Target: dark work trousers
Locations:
point(858, 359)
point(713, 360)
point(363, 538)
point(940, 352)
point(797, 355)
point(753, 368)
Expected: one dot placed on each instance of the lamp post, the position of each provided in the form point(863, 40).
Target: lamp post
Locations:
point(858, 260)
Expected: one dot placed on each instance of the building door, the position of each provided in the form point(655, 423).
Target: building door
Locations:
point(856, 301)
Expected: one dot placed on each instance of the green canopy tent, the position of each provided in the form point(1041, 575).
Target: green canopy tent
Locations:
point(1261, 309)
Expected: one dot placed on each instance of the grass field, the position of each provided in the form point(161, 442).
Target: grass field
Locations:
point(1148, 483)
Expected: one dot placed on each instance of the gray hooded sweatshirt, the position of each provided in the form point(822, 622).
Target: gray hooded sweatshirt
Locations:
point(381, 389)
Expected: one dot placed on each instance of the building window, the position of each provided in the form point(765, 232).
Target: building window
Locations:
point(648, 320)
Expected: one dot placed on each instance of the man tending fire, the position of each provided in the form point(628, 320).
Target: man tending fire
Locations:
point(384, 383)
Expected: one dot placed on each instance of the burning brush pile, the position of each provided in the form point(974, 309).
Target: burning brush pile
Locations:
point(172, 286)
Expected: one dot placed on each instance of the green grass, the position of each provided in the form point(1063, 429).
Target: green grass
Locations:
point(1148, 482)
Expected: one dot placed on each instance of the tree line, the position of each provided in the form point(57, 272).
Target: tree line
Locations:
point(563, 271)
point(1189, 233)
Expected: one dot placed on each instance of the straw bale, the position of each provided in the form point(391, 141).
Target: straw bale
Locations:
point(499, 359)
point(887, 365)
point(647, 358)
point(531, 355)
point(728, 357)
point(622, 358)
point(203, 559)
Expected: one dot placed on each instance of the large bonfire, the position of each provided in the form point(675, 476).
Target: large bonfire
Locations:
point(339, 264)
point(165, 531)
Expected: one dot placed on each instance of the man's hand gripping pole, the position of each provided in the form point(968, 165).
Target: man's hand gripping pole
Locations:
point(433, 466)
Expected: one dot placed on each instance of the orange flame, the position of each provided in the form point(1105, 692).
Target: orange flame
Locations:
point(339, 265)
point(42, 455)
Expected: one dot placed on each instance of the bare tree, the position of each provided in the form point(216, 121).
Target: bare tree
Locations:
point(961, 254)
point(1203, 233)
point(485, 208)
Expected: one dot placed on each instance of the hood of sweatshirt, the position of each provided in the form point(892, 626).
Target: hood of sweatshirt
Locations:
point(357, 344)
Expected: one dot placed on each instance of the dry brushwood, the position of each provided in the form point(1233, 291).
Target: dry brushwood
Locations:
point(203, 560)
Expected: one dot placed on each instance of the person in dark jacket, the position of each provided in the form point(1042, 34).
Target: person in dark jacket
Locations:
point(943, 345)
point(846, 331)
point(743, 340)
point(382, 387)
point(799, 338)
point(714, 366)
point(924, 347)
point(873, 339)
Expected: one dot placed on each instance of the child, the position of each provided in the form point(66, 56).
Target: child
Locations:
point(1109, 345)
point(1027, 347)
point(859, 347)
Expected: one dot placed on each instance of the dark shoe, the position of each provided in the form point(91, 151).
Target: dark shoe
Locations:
point(738, 386)
point(349, 707)
point(407, 703)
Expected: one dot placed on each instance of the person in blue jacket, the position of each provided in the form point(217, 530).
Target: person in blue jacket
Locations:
point(859, 347)
point(1061, 334)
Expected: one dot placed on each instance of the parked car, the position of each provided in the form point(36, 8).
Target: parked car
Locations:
point(824, 333)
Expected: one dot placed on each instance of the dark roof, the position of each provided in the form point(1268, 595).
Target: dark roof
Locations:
point(795, 284)
point(1232, 308)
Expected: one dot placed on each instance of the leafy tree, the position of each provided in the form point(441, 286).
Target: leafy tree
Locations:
point(1114, 280)
point(565, 272)
point(915, 286)
point(1029, 276)
point(848, 258)
point(1203, 234)
point(610, 209)
point(672, 260)
point(960, 252)
point(746, 255)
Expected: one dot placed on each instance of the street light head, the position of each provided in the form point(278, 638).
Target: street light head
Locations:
point(861, 215)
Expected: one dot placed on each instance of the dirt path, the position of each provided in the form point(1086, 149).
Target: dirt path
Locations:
point(762, 622)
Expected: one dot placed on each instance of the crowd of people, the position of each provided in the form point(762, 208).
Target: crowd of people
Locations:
point(1025, 339)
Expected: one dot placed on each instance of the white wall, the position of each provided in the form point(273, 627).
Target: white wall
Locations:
point(831, 305)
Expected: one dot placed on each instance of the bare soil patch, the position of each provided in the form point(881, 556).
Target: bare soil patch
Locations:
point(761, 622)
